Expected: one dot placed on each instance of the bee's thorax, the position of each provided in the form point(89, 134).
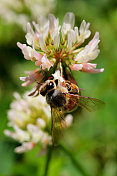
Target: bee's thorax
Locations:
point(55, 98)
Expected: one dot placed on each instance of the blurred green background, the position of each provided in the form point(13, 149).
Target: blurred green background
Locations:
point(93, 136)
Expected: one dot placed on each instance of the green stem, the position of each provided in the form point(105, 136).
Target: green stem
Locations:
point(49, 155)
point(76, 164)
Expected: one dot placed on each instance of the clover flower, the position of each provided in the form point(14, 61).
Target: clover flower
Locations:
point(20, 12)
point(30, 119)
point(50, 43)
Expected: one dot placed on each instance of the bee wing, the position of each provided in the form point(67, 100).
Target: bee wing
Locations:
point(88, 103)
point(58, 124)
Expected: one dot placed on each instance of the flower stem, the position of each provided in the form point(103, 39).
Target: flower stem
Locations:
point(76, 164)
point(49, 155)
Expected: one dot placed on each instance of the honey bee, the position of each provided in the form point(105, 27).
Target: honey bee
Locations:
point(63, 97)
point(58, 94)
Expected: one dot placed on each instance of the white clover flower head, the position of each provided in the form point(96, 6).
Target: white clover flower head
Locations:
point(30, 118)
point(52, 43)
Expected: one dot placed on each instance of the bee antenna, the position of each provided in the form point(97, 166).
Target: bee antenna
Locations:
point(42, 71)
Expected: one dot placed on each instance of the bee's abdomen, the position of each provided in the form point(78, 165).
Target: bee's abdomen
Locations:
point(55, 98)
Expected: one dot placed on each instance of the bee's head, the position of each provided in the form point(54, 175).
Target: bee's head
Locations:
point(47, 86)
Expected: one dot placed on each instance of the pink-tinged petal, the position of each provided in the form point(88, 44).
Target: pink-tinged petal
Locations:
point(26, 50)
point(76, 67)
point(23, 78)
point(33, 76)
point(43, 60)
point(91, 68)
point(32, 72)
point(90, 51)
point(46, 63)
point(38, 57)
point(29, 53)
point(27, 83)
